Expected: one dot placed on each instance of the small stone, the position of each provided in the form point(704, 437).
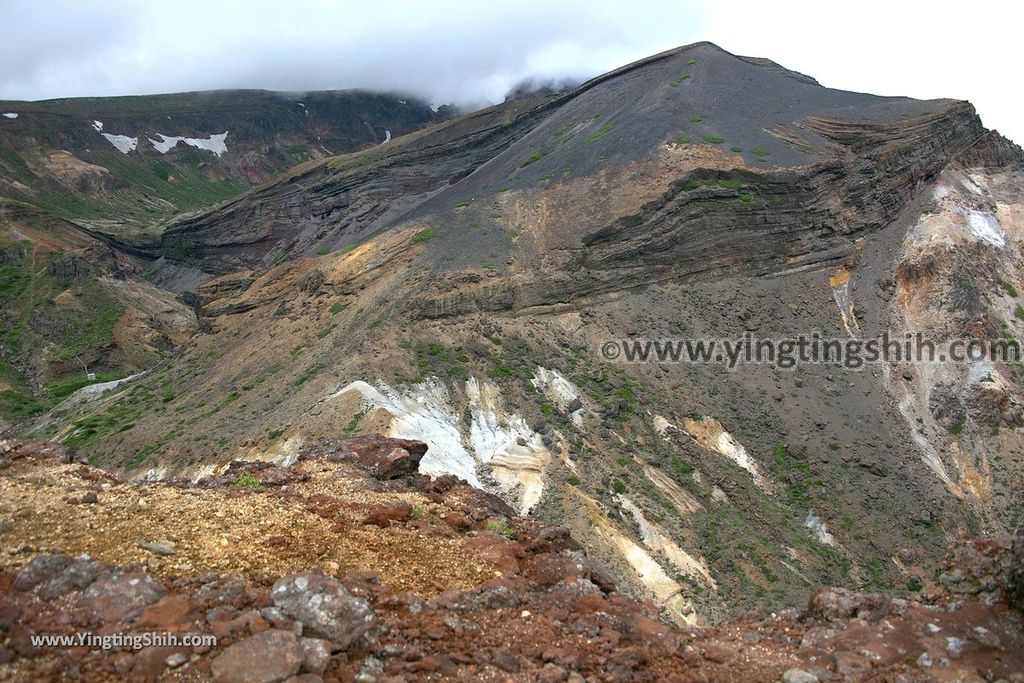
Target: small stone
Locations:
point(164, 548)
point(317, 654)
point(176, 660)
point(799, 676)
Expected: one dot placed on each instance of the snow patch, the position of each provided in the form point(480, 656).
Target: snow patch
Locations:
point(985, 226)
point(123, 143)
point(820, 530)
point(10, 115)
point(387, 136)
point(214, 143)
point(97, 126)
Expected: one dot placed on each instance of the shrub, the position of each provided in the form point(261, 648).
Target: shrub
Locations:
point(682, 468)
point(956, 428)
point(248, 481)
point(683, 139)
point(679, 79)
point(574, 480)
point(736, 149)
point(1019, 312)
point(696, 118)
point(323, 251)
point(619, 486)
point(714, 139)
point(761, 152)
point(501, 528)
point(424, 235)
point(1008, 288)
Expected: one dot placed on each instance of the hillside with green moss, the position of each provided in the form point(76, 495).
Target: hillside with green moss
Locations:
point(86, 187)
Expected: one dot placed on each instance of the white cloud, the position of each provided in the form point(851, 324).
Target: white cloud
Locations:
point(472, 53)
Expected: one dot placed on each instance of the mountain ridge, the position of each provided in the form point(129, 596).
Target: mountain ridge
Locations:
point(453, 286)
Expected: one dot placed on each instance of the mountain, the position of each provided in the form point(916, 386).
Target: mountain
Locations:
point(85, 187)
point(457, 284)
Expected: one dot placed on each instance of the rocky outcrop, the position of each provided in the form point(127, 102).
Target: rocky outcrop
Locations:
point(383, 457)
point(538, 609)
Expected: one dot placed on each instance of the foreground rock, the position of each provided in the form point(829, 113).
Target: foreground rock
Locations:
point(383, 457)
point(456, 602)
point(324, 606)
point(263, 658)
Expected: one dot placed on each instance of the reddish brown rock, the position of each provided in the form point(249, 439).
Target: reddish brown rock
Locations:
point(173, 613)
point(263, 658)
point(652, 633)
point(836, 604)
point(458, 521)
point(547, 569)
point(503, 553)
point(118, 595)
point(384, 514)
point(381, 456)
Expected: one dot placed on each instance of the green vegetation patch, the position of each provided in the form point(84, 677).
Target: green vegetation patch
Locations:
point(424, 235)
point(601, 132)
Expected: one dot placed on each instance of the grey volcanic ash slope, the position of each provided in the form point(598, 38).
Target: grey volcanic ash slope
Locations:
point(455, 286)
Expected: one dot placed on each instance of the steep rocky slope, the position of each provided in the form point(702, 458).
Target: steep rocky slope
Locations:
point(457, 286)
point(125, 163)
point(85, 186)
point(350, 566)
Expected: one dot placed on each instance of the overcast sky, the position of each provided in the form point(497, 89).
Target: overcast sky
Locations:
point(471, 52)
